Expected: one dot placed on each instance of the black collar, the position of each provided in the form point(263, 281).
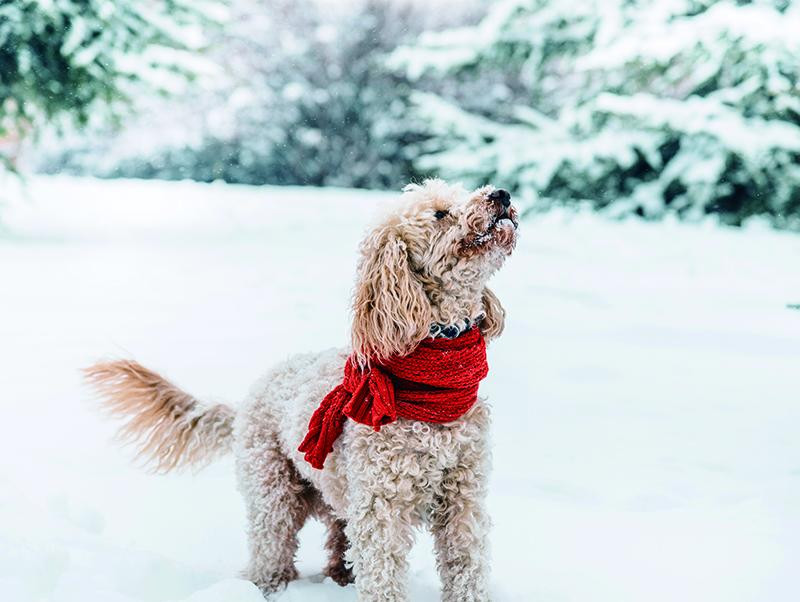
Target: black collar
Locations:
point(451, 331)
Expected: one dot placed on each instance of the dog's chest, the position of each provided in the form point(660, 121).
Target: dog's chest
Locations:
point(418, 453)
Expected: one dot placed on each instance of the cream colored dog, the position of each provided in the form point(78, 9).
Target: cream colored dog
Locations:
point(423, 272)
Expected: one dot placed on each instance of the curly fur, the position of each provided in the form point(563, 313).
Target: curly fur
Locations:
point(417, 268)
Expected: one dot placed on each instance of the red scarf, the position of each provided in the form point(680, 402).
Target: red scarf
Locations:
point(437, 382)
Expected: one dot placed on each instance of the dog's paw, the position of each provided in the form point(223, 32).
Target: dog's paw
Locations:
point(273, 582)
point(340, 573)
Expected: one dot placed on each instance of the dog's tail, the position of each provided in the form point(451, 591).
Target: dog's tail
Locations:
point(170, 428)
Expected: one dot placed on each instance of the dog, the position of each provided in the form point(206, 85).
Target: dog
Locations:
point(422, 276)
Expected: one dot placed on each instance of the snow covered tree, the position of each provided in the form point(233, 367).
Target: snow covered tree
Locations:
point(307, 99)
point(338, 116)
point(638, 106)
point(66, 58)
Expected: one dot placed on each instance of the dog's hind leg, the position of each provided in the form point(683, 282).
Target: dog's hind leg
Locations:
point(336, 544)
point(278, 503)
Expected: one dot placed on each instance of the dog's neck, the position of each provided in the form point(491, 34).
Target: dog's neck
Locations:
point(453, 315)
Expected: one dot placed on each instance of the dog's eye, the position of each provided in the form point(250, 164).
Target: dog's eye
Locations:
point(440, 214)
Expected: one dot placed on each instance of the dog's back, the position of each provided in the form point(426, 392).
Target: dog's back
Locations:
point(276, 415)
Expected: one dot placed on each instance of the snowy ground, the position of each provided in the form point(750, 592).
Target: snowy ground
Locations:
point(645, 395)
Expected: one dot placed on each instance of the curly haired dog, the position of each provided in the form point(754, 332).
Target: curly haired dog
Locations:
point(423, 273)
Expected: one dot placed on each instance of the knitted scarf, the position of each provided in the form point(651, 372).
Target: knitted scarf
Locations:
point(437, 382)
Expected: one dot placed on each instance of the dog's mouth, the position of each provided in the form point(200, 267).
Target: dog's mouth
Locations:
point(507, 218)
point(500, 231)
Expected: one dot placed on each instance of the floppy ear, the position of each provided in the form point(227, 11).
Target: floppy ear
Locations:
point(391, 313)
point(495, 316)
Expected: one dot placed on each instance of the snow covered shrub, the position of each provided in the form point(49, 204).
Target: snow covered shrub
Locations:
point(63, 58)
point(638, 106)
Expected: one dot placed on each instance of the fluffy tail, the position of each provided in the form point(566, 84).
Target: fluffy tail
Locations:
point(170, 428)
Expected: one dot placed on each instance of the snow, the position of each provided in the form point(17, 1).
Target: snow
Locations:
point(644, 394)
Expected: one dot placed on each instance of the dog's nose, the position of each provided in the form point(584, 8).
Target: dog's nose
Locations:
point(501, 196)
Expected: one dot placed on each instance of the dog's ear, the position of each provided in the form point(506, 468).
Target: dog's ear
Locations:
point(391, 313)
point(494, 315)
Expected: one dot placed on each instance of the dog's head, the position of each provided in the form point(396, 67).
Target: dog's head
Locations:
point(428, 264)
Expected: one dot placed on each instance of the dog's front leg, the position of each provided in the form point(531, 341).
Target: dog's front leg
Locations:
point(379, 531)
point(460, 526)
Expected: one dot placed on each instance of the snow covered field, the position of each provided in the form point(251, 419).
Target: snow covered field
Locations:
point(645, 394)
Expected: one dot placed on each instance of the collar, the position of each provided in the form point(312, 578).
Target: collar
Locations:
point(451, 331)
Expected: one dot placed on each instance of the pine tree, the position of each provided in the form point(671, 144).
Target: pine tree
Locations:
point(637, 106)
point(68, 58)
